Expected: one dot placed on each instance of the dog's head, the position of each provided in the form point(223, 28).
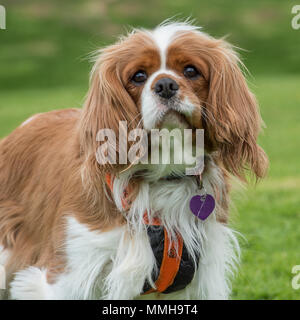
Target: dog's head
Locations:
point(180, 76)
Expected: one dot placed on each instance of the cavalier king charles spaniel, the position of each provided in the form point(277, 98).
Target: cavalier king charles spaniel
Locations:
point(72, 228)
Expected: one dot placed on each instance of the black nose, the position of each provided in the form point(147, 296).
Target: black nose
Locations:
point(166, 87)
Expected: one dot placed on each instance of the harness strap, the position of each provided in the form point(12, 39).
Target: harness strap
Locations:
point(170, 264)
point(172, 252)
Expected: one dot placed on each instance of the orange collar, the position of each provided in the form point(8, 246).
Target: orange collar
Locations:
point(172, 251)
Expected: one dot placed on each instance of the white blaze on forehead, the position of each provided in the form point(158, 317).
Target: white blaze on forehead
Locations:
point(164, 34)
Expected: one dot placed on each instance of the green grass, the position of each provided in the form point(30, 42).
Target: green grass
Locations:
point(17, 106)
point(45, 40)
point(269, 214)
point(42, 67)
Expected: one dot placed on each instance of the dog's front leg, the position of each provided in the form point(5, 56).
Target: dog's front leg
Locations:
point(133, 264)
point(31, 284)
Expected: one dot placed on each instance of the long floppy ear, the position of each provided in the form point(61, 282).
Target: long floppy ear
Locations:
point(233, 119)
point(106, 104)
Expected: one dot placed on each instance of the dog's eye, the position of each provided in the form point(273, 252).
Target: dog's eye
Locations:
point(191, 72)
point(139, 77)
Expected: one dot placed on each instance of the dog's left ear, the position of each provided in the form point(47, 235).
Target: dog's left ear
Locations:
point(233, 119)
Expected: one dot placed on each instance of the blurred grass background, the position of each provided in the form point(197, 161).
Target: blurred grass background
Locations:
point(43, 66)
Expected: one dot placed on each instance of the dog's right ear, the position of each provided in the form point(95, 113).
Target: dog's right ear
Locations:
point(107, 103)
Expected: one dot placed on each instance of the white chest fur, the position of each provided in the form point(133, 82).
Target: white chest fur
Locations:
point(115, 264)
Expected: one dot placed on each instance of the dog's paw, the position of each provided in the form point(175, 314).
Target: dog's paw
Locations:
point(30, 284)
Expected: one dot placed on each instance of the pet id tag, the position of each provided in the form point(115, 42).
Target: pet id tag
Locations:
point(202, 205)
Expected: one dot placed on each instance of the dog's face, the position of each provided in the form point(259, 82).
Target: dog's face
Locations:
point(177, 76)
point(167, 82)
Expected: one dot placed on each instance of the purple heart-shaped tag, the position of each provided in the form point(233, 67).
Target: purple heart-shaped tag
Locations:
point(202, 205)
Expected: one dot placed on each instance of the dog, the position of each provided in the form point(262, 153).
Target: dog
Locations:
point(72, 228)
